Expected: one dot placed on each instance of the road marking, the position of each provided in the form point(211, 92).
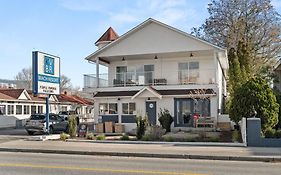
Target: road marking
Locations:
point(95, 169)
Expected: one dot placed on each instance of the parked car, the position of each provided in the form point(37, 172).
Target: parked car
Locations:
point(67, 114)
point(37, 123)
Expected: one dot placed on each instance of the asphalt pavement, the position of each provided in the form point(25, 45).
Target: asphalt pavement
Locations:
point(50, 164)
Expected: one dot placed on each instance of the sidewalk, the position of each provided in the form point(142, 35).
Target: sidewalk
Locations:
point(169, 150)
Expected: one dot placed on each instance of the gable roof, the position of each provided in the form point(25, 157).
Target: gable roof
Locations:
point(142, 25)
point(4, 96)
point(109, 35)
point(14, 93)
point(149, 89)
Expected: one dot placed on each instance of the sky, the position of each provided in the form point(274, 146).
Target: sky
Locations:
point(69, 28)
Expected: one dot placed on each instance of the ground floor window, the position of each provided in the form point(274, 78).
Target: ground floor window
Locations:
point(186, 108)
point(64, 108)
point(128, 108)
point(40, 109)
point(10, 109)
point(108, 108)
point(33, 109)
point(26, 109)
point(18, 109)
point(2, 109)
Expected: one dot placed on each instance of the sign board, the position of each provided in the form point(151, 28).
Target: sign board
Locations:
point(46, 73)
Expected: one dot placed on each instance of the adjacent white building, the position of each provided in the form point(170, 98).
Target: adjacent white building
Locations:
point(19, 104)
point(152, 67)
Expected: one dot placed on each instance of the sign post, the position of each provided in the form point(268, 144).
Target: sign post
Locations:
point(46, 77)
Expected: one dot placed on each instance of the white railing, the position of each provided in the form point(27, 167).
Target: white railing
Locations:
point(165, 77)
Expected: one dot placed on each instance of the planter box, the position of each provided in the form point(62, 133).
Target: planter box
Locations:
point(119, 128)
point(100, 128)
point(109, 127)
point(224, 126)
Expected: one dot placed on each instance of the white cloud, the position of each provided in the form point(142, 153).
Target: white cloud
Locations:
point(121, 14)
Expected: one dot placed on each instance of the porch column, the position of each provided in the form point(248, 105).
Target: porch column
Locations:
point(97, 72)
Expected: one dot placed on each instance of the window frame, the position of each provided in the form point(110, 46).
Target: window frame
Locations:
point(3, 111)
point(129, 111)
point(19, 110)
point(26, 109)
point(107, 110)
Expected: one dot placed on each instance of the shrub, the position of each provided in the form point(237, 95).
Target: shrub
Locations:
point(236, 136)
point(90, 136)
point(72, 126)
point(125, 137)
point(165, 119)
point(146, 138)
point(214, 139)
point(255, 94)
point(64, 136)
point(154, 132)
point(141, 126)
point(101, 137)
point(169, 139)
point(269, 133)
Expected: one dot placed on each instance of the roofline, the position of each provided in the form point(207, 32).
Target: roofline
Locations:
point(149, 20)
point(150, 90)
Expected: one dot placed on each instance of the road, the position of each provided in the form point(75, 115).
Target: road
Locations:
point(50, 164)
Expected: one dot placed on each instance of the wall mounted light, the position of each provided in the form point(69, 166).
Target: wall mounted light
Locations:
point(155, 57)
point(118, 99)
point(191, 54)
point(123, 59)
point(148, 98)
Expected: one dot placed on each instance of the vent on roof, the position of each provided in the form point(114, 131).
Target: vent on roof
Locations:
point(109, 36)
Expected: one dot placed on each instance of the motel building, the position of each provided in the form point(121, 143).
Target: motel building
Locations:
point(155, 66)
point(16, 105)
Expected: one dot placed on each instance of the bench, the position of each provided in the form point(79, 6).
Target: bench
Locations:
point(205, 121)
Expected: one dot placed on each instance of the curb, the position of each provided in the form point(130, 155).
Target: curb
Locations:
point(167, 143)
point(147, 155)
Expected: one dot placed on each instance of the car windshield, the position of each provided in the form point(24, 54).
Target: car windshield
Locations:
point(37, 117)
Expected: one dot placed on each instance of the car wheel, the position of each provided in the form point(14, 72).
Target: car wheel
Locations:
point(30, 132)
point(51, 130)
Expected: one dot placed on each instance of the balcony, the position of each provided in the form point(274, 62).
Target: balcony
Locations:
point(153, 78)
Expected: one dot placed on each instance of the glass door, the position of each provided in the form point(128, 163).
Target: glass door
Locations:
point(184, 112)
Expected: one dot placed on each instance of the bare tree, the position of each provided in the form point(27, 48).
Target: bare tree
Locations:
point(24, 78)
point(65, 83)
point(254, 22)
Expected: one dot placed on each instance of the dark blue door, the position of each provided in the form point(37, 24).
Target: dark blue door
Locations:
point(151, 112)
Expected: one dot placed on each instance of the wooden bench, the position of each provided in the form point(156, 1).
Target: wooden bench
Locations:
point(205, 121)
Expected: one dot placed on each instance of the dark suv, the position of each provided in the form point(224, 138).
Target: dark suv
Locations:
point(37, 123)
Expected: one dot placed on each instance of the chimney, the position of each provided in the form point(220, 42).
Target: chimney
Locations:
point(109, 36)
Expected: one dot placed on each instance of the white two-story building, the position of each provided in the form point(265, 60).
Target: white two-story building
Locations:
point(155, 66)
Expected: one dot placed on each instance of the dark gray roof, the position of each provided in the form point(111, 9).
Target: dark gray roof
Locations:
point(161, 92)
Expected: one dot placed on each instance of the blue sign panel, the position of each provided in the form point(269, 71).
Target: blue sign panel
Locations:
point(46, 73)
point(49, 65)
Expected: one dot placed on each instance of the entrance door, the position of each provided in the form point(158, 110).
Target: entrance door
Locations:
point(151, 112)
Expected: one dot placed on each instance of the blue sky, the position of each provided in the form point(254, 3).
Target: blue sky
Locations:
point(69, 28)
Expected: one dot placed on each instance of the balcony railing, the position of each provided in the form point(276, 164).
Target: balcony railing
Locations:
point(149, 78)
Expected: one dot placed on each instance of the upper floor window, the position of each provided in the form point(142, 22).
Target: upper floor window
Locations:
point(108, 108)
point(128, 108)
point(188, 72)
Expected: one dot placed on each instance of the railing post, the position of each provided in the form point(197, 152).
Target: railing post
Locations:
point(97, 72)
